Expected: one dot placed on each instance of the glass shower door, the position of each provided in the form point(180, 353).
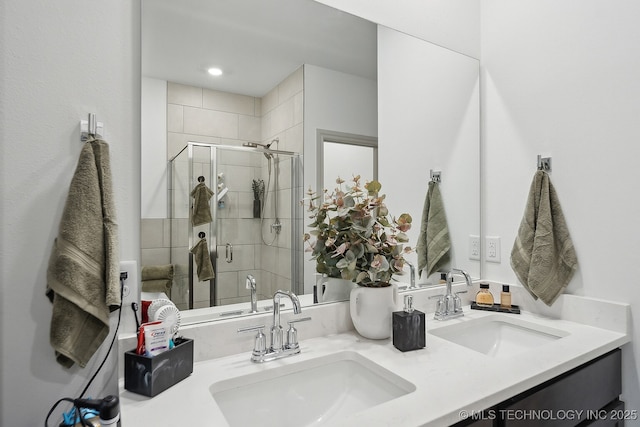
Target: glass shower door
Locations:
point(255, 217)
point(251, 230)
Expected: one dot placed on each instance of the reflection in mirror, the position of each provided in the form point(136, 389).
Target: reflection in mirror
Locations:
point(237, 227)
point(296, 67)
point(429, 119)
point(345, 155)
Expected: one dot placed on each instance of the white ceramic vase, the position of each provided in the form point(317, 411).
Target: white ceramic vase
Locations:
point(371, 310)
point(336, 289)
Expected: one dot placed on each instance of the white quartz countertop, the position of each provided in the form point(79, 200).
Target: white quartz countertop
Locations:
point(449, 378)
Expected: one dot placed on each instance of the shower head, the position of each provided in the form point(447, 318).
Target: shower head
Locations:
point(265, 146)
point(257, 144)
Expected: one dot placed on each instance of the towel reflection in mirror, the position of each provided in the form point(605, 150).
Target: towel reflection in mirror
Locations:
point(434, 243)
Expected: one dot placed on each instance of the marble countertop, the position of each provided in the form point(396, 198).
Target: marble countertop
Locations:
point(448, 378)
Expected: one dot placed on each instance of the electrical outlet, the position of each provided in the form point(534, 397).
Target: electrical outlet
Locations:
point(130, 291)
point(492, 247)
point(474, 247)
point(130, 294)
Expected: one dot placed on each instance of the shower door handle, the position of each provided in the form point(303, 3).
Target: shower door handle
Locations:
point(229, 253)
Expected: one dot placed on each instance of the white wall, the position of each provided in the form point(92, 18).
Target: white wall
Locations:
point(60, 61)
point(561, 79)
point(153, 173)
point(454, 24)
point(337, 102)
point(429, 118)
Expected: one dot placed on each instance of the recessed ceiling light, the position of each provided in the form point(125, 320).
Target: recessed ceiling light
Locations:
point(215, 71)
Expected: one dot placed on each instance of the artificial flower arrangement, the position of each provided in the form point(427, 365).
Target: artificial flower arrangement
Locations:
point(355, 238)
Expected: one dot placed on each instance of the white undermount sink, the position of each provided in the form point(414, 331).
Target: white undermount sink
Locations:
point(307, 393)
point(498, 335)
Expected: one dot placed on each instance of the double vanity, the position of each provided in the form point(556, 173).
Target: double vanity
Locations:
point(482, 361)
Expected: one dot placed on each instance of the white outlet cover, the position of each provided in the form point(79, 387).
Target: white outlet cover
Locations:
point(474, 247)
point(492, 248)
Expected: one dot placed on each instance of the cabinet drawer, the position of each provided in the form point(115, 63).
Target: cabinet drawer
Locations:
point(589, 387)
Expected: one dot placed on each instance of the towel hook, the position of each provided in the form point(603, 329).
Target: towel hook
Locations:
point(90, 128)
point(544, 163)
point(201, 178)
point(436, 176)
point(202, 235)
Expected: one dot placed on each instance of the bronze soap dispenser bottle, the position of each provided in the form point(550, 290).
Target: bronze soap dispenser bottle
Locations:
point(409, 327)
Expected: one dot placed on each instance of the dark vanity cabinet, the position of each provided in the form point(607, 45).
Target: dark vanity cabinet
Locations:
point(585, 396)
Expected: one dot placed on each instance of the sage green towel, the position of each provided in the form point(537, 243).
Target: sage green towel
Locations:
point(434, 243)
point(201, 211)
point(201, 256)
point(543, 256)
point(157, 278)
point(83, 276)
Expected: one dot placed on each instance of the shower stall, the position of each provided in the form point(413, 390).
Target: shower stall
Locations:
point(254, 227)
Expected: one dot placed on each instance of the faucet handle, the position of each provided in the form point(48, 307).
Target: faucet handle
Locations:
point(251, 328)
point(292, 332)
point(302, 319)
point(260, 344)
point(457, 303)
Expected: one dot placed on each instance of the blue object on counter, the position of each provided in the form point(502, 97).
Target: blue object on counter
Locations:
point(70, 418)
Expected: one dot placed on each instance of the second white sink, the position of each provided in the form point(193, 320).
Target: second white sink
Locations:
point(498, 335)
point(307, 393)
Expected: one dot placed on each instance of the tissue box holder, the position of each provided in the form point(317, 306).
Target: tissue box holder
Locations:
point(150, 376)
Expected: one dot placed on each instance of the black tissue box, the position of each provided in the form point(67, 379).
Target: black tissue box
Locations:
point(152, 375)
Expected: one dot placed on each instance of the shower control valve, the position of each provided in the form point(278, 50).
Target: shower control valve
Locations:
point(276, 226)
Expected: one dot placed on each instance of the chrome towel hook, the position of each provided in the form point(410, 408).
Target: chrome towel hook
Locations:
point(544, 163)
point(90, 128)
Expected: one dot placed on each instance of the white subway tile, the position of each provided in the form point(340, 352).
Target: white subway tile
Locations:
point(270, 100)
point(227, 284)
point(229, 102)
point(175, 122)
point(184, 95)
point(249, 128)
point(210, 123)
point(282, 117)
point(151, 233)
point(292, 85)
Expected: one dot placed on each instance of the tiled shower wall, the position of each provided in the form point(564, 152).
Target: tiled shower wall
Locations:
point(208, 116)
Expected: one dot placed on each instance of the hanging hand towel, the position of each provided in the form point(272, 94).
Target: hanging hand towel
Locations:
point(543, 256)
point(157, 278)
point(201, 210)
point(83, 276)
point(434, 242)
point(203, 260)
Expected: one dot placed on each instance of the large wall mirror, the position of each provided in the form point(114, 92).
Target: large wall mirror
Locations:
point(293, 72)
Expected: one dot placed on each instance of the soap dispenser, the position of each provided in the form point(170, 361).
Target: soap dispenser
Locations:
point(409, 327)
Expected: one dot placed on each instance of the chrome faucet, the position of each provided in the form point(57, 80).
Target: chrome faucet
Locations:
point(251, 284)
point(412, 278)
point(449, 305)
point(276, 329)
point(277, 349)
point(412, 275)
